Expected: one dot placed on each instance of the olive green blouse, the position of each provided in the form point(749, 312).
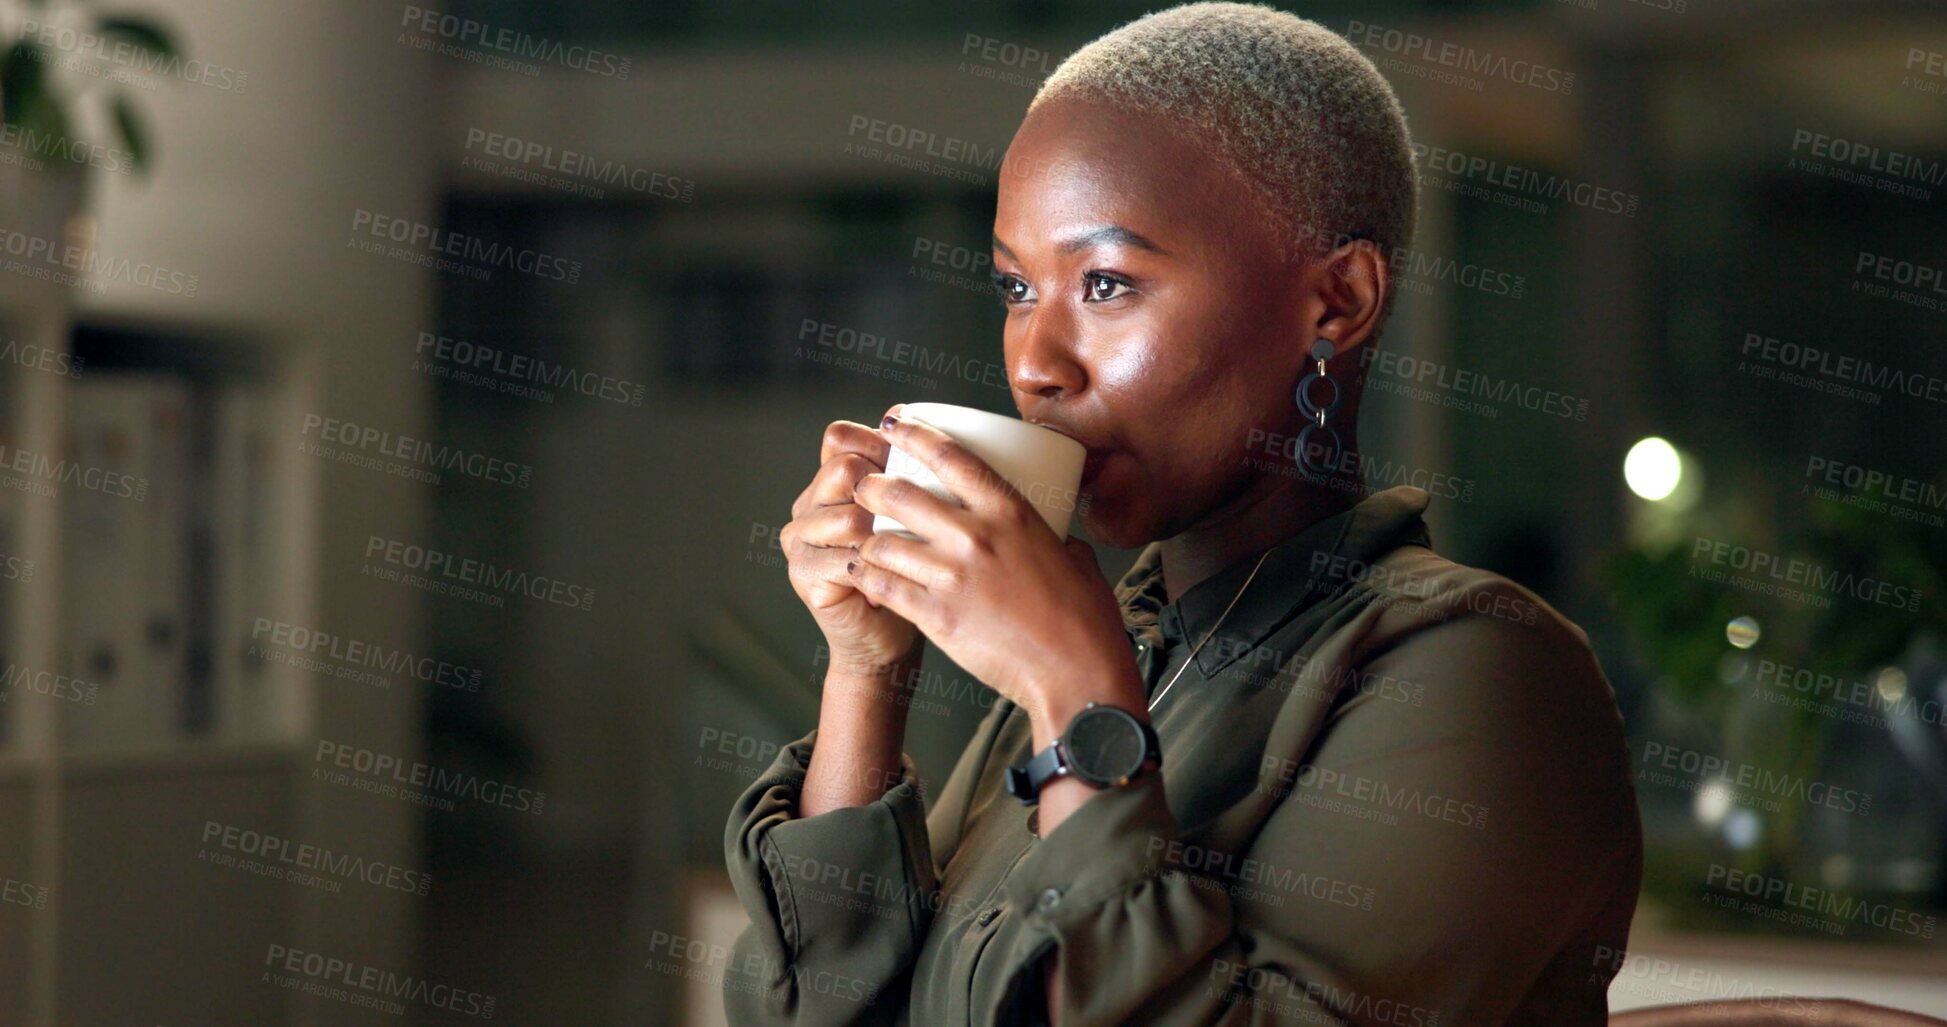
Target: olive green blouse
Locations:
point(1395, 790)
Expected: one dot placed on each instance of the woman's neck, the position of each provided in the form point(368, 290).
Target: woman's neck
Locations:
point(1273, 509)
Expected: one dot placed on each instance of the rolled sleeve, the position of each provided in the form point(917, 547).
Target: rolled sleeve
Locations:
point(1384, 893)
point(838, 903)
point(1107, 845)
point(1096, 899)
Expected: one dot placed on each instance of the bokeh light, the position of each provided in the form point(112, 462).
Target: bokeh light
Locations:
point(1653, 468)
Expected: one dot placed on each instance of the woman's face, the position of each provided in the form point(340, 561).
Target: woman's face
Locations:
point(1149, 315)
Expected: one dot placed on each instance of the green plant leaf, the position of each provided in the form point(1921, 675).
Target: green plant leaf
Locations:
point(140, 31)
point(135, 134)
point(32, 105)
point(22, 82)
point(45, 130)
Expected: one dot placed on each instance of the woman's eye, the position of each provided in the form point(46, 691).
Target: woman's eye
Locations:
point(1097, 287)
point(1011, 288)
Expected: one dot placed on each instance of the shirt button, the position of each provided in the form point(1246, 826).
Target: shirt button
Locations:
point(1049, 900)
point(987, 916)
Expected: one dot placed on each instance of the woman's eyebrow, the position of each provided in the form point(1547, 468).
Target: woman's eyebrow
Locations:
point(1103, 236)
point(1109, 235)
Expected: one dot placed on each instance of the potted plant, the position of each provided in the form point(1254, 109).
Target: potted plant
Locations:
point(54, 58)
point(1707, 641)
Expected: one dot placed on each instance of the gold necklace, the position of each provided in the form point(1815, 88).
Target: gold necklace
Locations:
point(1213, 630)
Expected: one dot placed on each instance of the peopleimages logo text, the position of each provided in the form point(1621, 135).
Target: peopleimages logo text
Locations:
point(372, 985)
point(305, 856)
point(469, 571)
point(1460, 57)
point(84, 261)
point(1813, 577)
point(572, 164)
point(434, 779)
point(68, 472)
point(461, 246)
point(360, 653)
point(1516, 178)
point(517, 367)
point(1692, 768)
point(1820, 901)
point(416, 450)
point(514, 43)
point(121, 50)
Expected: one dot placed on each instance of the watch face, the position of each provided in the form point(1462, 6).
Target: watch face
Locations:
point(1104, 745)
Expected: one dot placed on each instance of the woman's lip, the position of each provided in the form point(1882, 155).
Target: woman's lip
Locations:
point(1093, 455)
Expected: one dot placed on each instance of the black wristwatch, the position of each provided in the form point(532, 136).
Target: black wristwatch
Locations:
point(1103, 745)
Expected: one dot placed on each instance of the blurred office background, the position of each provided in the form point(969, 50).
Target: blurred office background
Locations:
point(725, 217)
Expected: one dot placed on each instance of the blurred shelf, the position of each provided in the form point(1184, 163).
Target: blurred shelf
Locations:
point(151, 762)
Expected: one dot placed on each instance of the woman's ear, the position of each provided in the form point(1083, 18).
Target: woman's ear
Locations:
point(1350, 284)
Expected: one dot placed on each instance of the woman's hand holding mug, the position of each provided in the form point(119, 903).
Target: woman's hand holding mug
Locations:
point(981, 572)
point(874, 652)
point(991, 584)
point(826, 530)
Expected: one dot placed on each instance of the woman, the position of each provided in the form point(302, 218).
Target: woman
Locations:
point(1382, 788)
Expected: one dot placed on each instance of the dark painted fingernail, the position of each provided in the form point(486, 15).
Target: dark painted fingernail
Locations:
point(889, 421)
point(852, 567)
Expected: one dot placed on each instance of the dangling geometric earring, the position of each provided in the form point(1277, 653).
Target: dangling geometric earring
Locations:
point(1318, 445)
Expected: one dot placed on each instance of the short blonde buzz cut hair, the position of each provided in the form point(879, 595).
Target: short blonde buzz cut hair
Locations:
point(1288, 105)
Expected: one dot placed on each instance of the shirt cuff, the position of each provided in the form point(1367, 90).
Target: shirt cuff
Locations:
point(1116, 839)
point(828, 884)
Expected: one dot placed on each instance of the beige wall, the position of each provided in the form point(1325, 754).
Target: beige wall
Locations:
point(254, 193)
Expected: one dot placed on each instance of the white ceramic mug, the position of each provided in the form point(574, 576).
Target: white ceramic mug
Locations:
point(1042, 464)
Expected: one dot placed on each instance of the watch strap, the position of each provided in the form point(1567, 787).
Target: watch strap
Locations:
point(1026, 780)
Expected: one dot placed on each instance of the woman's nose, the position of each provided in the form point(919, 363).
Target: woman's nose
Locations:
point(1045, 363)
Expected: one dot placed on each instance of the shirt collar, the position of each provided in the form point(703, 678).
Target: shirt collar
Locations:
point(1292, 578)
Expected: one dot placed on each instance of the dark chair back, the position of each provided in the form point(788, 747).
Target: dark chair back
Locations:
point(1774, 1012)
